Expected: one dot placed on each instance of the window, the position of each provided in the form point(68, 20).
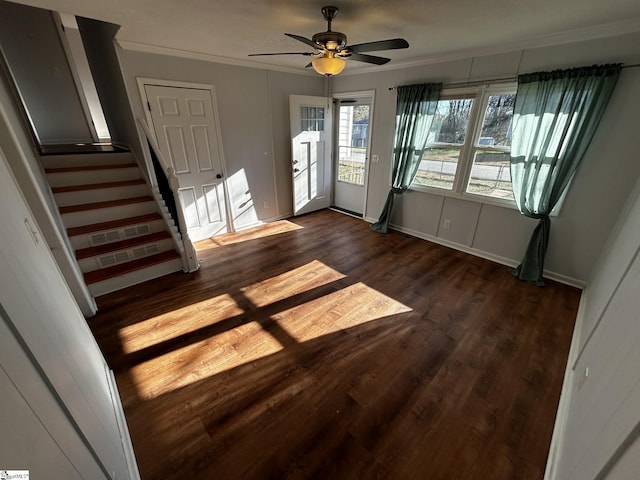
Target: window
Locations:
point(312, 119)
point(468, 149)
point(352, 143)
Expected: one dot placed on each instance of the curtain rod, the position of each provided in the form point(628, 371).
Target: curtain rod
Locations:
point(497, 80)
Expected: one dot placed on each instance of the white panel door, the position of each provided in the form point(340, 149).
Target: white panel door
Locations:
point(188, 135)
point(311, 152)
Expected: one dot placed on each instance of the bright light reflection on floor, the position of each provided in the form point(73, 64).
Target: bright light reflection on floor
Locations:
point(307, 277)
point(208, 312)
point(345, 308)
point(351, 306)
point(178, 322)
point(255, 233)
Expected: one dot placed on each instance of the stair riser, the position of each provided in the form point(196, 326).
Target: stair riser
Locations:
point(88, 217)
point(85, 241)
point(88, 177)
point(82, 160)
point(139, 251)
point(133, 278)
point(100, 195)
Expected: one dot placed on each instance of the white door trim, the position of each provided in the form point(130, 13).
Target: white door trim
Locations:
point(143, 81)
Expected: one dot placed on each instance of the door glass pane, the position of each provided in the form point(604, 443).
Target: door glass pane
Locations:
point(353, 129)
point(311, 119)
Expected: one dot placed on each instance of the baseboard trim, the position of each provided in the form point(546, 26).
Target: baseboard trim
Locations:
point(509, 262)
point(127, 445)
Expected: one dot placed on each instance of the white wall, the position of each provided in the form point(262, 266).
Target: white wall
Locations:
point(17, 143)
point(597, 434)
point(52, 359)
point(33, 49)
point(594, 200)
point(98, 42)
point(254, 122)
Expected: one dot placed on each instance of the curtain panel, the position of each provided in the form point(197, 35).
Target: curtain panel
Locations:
point(415, 109)
point(555, 117)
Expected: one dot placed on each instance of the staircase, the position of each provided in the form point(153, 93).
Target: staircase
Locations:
point(113, 221)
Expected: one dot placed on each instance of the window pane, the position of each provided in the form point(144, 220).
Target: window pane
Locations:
point(351, 165)
point(438, 168)
point(496, 127)
point(311, 119)
point(450, 121)
point(352, 143)
point(491, 174)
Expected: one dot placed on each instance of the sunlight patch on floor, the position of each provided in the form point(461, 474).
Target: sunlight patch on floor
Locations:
point(228, 306)
point(255, 233)
point(178, 322)
point(293, 282)
point(349, 307)
point(215, 335)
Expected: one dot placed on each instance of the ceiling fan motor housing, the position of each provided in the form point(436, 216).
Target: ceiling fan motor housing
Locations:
point(334, 41)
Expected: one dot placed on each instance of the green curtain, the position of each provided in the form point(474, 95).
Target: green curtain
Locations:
point(415, 109)
point(555, 116)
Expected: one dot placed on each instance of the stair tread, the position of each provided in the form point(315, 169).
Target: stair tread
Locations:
point(95, 186)
point(121, 245)
point(107, 204)
point(85, 148)
point(113, 224)
point(90, 168)
point(128, 267)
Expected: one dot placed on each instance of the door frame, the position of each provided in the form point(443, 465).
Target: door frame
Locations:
point(336, 112)
point(142, 82)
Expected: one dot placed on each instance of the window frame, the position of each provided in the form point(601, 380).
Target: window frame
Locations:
point(480, 95)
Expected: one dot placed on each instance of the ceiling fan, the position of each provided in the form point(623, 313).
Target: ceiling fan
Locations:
point(330, 48)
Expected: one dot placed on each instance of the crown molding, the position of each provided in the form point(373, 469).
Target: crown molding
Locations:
point(594, 32)
point(205, 57)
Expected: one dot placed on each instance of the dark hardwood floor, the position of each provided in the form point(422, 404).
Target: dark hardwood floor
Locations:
point(315, 348)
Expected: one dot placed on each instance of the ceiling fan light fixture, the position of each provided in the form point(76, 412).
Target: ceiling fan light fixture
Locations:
point(328, 65)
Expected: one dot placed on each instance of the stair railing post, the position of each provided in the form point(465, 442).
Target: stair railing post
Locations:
point(190, 258)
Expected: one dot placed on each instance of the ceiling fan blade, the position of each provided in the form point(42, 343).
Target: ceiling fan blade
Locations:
point(368, 58)
point(308, 54)
point(393, 44)
point(311, 43)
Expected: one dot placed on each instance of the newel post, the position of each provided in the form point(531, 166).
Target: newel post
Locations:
point(190, 259)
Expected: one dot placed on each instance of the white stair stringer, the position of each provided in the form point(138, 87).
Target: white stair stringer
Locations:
point(133, 278)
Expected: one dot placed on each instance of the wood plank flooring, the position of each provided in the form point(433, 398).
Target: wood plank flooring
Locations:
point(315, 348)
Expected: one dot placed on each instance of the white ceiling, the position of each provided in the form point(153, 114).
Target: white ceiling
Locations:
point(435, 29)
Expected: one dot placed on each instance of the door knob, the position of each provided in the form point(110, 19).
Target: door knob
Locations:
point(296, 170)
point(295, 161)
point(219, 175)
